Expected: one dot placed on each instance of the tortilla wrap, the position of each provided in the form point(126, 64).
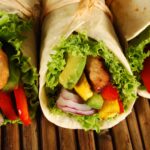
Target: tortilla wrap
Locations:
point(84, 16)
point(132, 18)
point(28, 47)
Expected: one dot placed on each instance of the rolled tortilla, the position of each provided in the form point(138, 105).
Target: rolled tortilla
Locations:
point(28, 8)
point(28, 46)
point(132, 17)
point(62, 21)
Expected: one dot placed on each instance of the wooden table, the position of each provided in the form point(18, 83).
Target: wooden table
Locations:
point(132, 133)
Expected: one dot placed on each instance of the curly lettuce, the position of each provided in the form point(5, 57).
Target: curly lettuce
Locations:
point(81, 44)
point(11, 38)
point(135, 52)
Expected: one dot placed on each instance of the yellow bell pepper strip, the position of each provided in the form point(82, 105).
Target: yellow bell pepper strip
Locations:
point(6, 106)
point(109, 109)
point(22, 106)
point(83, 88)
point(4, 69)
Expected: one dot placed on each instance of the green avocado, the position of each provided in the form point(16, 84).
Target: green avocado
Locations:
point(96, 101)
point(72, 71)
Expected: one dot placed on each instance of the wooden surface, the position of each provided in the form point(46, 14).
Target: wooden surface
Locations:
point(132, 133)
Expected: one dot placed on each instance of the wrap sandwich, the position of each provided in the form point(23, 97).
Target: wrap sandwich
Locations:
point(133, 20)
point(85, 80)
point(18, 73)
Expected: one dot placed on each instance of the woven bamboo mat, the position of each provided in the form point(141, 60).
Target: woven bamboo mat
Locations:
point(132, 133)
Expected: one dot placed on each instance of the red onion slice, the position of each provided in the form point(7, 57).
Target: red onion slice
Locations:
point(75, 111)
point(70, 102)
point(67, 95)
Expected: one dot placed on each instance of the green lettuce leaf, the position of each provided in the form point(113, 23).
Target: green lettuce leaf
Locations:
point(1, 44)
point(29, 78)
point(135, 52)
point(80, 44)
point(6, 121)
point(87, 122)
point(12, 28)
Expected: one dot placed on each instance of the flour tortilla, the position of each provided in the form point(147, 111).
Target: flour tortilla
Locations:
point(62, 22)
point(132, 18)
point(23, 8)
point(15, 7)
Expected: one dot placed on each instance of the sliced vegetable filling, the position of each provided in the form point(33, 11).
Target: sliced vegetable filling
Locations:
point(90, 82)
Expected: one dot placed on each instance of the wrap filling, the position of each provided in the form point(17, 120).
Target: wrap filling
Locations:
point(138, 54)
point(87, 82)
point(18, 78)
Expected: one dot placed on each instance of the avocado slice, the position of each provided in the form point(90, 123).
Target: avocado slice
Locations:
point(72, 71)
point(96, 101)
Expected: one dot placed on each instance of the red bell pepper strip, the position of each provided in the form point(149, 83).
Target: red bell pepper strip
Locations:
point(6, 106)
point(145, 74)
point(121, 106)
point(22, 106)
point(110, 92)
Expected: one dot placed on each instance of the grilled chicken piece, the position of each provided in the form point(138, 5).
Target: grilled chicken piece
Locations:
point(4, 69)
point(97, 74)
